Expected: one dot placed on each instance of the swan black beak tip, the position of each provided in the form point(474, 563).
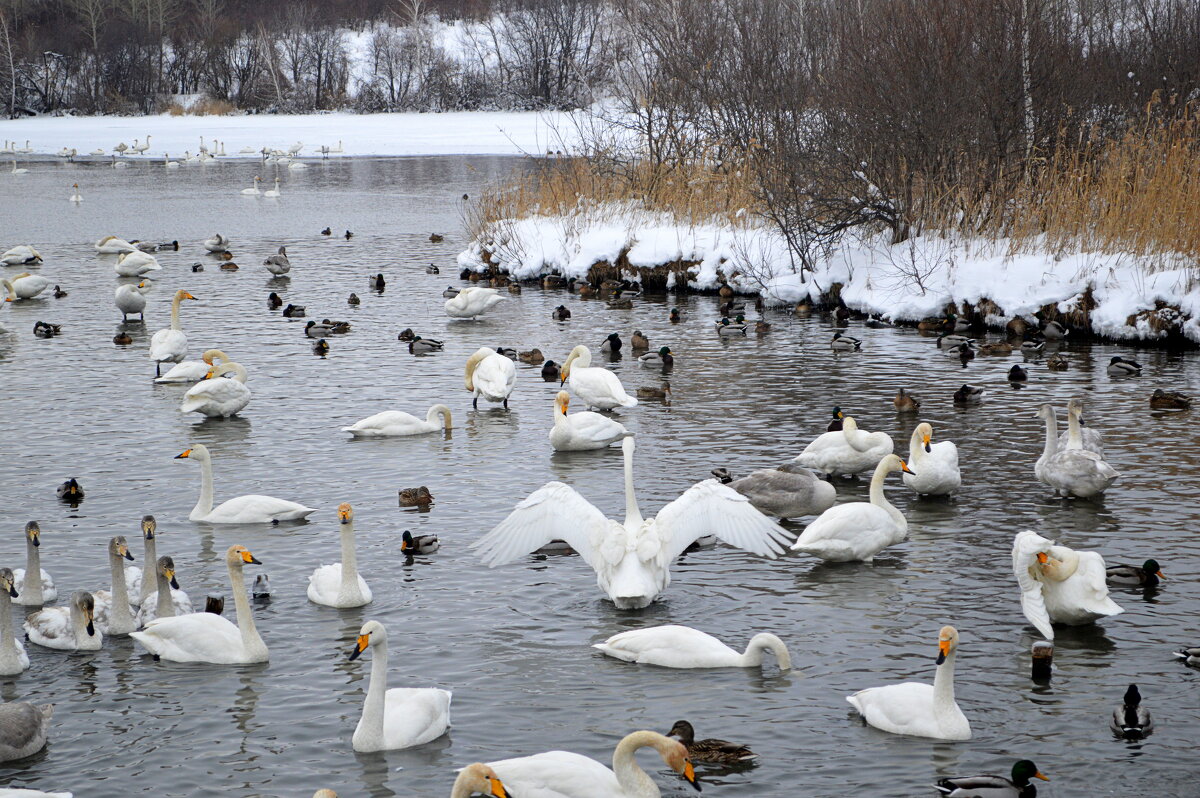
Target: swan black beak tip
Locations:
point(91, 629)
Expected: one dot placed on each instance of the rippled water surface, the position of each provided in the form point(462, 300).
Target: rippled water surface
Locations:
point(513, 643)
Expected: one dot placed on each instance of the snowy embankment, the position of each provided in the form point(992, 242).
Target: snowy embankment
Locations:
point(1117, 296)
point(463, 133)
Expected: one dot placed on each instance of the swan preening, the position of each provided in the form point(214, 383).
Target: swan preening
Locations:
point(396, 423)
point(401, 717)
point(790, 491)
point(596, 387)
point(472, 302)
point(632, 560)
point(489, 375)
point(250, 509)
point(170, 345)
point(339, 585)
point(216, 243)
point(1073, 471)
point(24, 286)
point(849, 450)
point(22, 255)
point(205, 636)
point(916, 708)
point(218, 396)
point(111, 245)
point(135, 264)
point(562, 773)
point(194, 370)
point(475, 779)
point(1058, 584)
point(858, 530)
point(675, 646)
point(582, 431)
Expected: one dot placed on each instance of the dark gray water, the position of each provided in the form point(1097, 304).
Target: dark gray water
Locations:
point(513, 643)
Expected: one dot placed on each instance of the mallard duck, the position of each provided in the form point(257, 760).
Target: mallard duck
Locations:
point(931, 325)
point(1120, 367)
point(229, 266)
point(561, 313)
point(674, 316)
point(337, 327)
point(586, 289)
point(761, 327)
point(550, 371)
point(994, 786)
point(947, 341)
point(432, 269)
point(1132, 576)
point(411, 544)
point(123, 339)
point(321, 347)
point(725, 290)
point(554, 281)
point(70, 491)
point(506, 351)
point(294, 311)
point(377, 282)
point(620, 303)
point(326, 232)
point(968, 394)
point(997, 348)
point(533, 357)
point(710, 750)
point(353, 300)
point(59, 293)
point(514, 288)
point(639, 342)
point(1058, 362)
point(877, 321)
point(451, 292)
point(465, 274)
point(1053, 331)
point(415, 497)
point(261, 589)
point(905, 402)
point(611, 344)
point(662, 358)
point(964, 351)
point(954, 324)
point(836, 423)
point(1018, 374)
point(662, 394)
point(349, 235)
point(1131, 720)
point(732, 307)
point(43, 329)
point(845, 343)
point(1190, 655)
point(197, 267)
point(1169, 400)
point(1032, 347)
point(315, 330)
point(422, 346)
point(274, 302)
point(726, 327)
point(406, 334)
point(435, 238)
point(214, 604)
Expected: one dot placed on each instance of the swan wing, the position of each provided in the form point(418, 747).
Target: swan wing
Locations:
point(168, 344)
point(1089, 585)
point(256, 509)
point(415, 715)
point(905, 708)
point(495, 377)
point(552, 512)
point(710, 508)
point(671, 646)
point(1026, 547)
point(187, 371)
point(226, 396)
point(388, 423)
point(51, 628)
point(557, 774)
point(196, 637)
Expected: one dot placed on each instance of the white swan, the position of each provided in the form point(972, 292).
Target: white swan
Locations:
point(76, 196)
point(132, 299)
point(857, 530)
point(253, 190)
point(167, 600)
point(168, 163)
point(1078, 436)
point(21, 255)
point(472, 302)
point(20, 171)
point(1060, 585)
point(1071, 472)
point(38, 591)
point(475, 779)
point(297, 165)
point(273, 192)
point(69, 628)
point(339, 585)
point(194, 370)
point(217, 243)
point(632, 560)
point(396, 423)
point(674, 646)
point(936, 465)
point(489, 375)
point(208, 637)
point(562, 774)
point(113, 614)
point(581, 431)
point(24, 286)
point(218, 396)
point(401, 717)
point(28, 792)
point(170, 345)
point(13, 659)
point(250, 509)
point(596, 387)
point(135, 264)
point(845, 451)
point(111, 245)
point(915, 708)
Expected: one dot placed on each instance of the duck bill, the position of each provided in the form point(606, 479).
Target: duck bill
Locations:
point(406, 547)
point(1160, 574)
point(360, 645)
point(1040, 775)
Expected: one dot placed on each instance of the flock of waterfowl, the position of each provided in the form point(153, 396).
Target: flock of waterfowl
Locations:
point(631, 556)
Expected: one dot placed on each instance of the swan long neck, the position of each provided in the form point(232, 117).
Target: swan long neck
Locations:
point(164, 606)
point(372, 715)
point(175, 313)
point(1051, 435)
point(349, 586)
point(239, 371)
point(148, 561)
point(436, 411)
point(762, 643)
point(916, 449)
point(204, 504)
point(251, 641)
point(633, 515)
point(118, 613)
point(33, 573)
point(1074, 432)
point(630, 776)
point(943, 683)
point(879, 498)
point(8, 643)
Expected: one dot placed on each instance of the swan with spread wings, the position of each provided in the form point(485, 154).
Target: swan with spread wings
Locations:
point(632, 560)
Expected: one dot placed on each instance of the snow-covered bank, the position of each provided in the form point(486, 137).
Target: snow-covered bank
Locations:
point(464, 133)
point(1117, 296)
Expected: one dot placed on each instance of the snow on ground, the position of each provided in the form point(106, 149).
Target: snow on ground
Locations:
point(463, 133)
point(904, 282)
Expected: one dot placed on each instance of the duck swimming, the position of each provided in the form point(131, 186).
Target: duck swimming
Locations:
point(994, 786)
point(710, 750)
point(1148, 575)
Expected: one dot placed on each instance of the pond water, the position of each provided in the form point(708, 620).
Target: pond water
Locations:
point(513, 642)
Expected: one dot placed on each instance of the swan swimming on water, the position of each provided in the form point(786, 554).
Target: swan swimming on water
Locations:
point(249, 509)
point(397, 423)
point(339, 585)
point(673, 646)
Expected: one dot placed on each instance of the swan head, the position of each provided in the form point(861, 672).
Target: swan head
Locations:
point(197, 452)
point(365, 638)
point(674, 753)
point(8, 582)
point(1045, 411)
point(82, 601)
point(166, 568)
point(149, 526)
point(119, 547)
point(237, 556)
point(580, 352)
point(893, 463)
point(181, 295)
point(562, 401)
point(925, 431)
point(947, 643)
point(479, 778)
point(33, 533)
point(345, 513)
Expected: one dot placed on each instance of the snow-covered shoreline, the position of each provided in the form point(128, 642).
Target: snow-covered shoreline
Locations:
point(461, 133)
point(1114, 296)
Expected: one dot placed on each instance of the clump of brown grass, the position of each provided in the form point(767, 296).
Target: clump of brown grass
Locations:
point(174, 109)
point(207, 106)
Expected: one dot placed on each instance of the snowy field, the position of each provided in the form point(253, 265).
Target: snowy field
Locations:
point(464, 133)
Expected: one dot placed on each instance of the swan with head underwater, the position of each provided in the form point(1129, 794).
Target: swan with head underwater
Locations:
point(1059, 584)
point(339, 585)
point(250, 509)
point(472, 302)
point(205, 636)
point(490, 375)
point(596, 387)
point(170, 345)
point(397, 423)
point(24, 286)
point(632, 559)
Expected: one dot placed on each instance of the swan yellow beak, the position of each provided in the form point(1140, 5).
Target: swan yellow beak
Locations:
point(91, 626)
point(250, 558)
point(184, 453)
point(497, 789)
point(689, 773)
point(186, 295)
point(1042, 558)
point(927, 439)
point(943, 651)
point(1040, 775)
point(344, 516)
point(904, 467)
point(124, 552)
point(169, 573)
point(360, 646)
